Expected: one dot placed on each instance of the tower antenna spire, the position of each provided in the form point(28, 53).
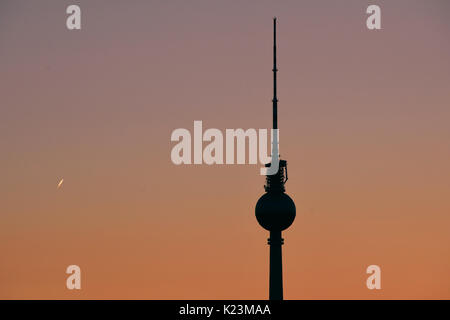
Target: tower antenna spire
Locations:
point(275, 99)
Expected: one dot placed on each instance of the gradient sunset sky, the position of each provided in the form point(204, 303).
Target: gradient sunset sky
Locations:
point(365, 127)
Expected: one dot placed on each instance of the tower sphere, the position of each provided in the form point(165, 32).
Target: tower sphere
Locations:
point(275, 211)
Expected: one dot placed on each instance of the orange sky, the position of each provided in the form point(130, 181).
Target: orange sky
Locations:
point(364, 118)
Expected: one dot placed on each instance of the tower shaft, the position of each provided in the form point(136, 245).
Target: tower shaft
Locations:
point(276, 269)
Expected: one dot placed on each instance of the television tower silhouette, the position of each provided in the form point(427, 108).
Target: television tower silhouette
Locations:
point(275, 210)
